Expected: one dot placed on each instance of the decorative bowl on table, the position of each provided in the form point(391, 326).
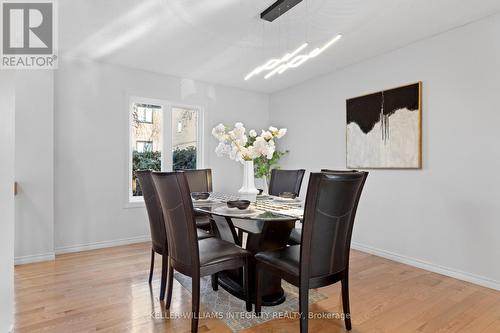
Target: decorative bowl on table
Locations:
point(240, 204)
point(288, 195)
point(200, 195)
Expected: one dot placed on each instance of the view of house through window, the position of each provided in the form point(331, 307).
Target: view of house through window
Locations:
point(144, 114)
point(155, 129)
point(146, 141)
point(184, 138)
point(142, 146)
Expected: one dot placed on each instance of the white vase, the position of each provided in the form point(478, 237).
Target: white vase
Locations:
point(248, 186)
point(265, 185)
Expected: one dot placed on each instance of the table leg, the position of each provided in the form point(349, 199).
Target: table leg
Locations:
point(274, 235)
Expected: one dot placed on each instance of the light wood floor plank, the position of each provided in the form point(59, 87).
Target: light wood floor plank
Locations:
point(106, 290)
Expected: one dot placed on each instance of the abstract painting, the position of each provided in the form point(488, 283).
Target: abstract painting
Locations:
point(384, 129)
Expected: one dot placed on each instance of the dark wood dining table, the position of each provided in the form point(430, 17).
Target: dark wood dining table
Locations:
point(267, 222)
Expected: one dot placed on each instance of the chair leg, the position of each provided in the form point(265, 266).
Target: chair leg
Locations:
point(215, 281)
point(164, 273)
point(304, 308)
point(240, 236)
point(170, 283)
point(152, 266)
point(212, 227)
point(258, 296)
point(195, 304)
point(246, 285)
point(345, 302)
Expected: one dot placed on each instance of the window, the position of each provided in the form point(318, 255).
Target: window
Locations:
point(145, 113)
point(143, 146)
point(146, 142)
point(184, 138)
point(155, 128)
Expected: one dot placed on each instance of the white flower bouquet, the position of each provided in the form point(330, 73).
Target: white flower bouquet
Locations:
point(240, 146)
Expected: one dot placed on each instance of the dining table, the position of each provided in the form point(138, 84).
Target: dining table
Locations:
point(267, 223)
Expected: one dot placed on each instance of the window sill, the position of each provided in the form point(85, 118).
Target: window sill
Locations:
point(135, 204)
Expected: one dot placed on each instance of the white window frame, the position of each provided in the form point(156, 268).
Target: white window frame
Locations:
point(166, 149)
point(200, 163)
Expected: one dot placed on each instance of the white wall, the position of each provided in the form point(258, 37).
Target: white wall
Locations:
point(444, 217)
point(34, 166)
point(6, 200)
point(91, 138)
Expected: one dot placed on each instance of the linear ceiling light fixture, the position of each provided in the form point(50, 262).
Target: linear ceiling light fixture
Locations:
point(272, 63)
point(290, 60)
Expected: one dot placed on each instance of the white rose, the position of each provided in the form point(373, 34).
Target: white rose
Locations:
point(238, 125)
point(272, 129)
point(281, 133)
point(222, 149)
point(266, 135)
point(252, 133)
point(271, 148)
point(233, 153)
point(270, 154)
point(261, 146)
point(219, 131)
point(252, 153)
point(239, 132)
point(248, 153)
point(243, 152)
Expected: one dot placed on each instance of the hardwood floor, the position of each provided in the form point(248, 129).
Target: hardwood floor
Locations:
point(106, 290)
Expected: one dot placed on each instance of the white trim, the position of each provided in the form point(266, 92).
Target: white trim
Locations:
point(34, 258)
point(11, 328)
point(451, 272)
point(101, 245)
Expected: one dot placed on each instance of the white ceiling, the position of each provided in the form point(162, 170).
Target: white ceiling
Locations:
point(220, 41)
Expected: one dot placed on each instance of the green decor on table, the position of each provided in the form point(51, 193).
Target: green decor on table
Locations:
point(264, 166)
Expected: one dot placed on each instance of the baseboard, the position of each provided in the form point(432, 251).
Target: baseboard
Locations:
point(101, 245)
point(454, 273)
point(78, 248)
point(34, 258)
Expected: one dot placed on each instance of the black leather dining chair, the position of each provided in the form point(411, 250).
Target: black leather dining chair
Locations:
point(186, 254)
point(323, 256)
point(296, 233)
point(200, 180)
point(157, 226)
point(285, 181)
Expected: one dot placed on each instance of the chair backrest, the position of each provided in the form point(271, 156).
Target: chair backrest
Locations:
point(338, 171)
point(177, 206)
point(330, 209)
point(285, 181)
point(199, 180)
point(153, 207)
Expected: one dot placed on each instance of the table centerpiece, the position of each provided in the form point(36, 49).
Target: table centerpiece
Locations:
point(244, 147)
